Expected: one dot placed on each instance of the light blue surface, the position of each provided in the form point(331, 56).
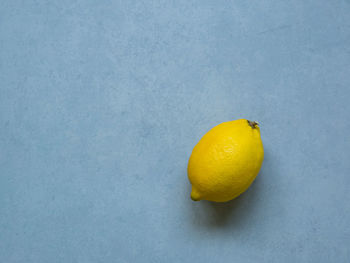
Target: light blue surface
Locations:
point(101, 103)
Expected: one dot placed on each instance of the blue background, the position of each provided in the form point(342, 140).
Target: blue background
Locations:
point(102, 102)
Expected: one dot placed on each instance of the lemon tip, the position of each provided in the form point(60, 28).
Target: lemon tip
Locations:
point(195, 196)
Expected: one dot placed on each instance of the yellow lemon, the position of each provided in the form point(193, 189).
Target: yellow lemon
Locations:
point(225, 161)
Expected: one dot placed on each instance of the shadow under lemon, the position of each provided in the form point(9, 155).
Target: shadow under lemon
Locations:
point(237, 213)
point(233, 212)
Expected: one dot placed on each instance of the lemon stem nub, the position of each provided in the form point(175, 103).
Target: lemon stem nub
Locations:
point(253, 124)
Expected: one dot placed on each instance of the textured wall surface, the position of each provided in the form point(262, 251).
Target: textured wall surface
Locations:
point(101, 103)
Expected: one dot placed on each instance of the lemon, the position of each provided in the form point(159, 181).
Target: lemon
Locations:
point(225, 161)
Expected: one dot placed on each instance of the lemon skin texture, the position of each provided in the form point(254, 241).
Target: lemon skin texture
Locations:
point(225, 161)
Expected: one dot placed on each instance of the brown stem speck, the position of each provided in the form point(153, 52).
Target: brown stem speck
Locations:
point(253, 124)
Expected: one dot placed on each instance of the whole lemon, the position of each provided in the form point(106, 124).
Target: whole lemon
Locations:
point(225, 161)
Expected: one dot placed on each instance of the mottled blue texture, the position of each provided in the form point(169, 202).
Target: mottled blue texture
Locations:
point(101, 103)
